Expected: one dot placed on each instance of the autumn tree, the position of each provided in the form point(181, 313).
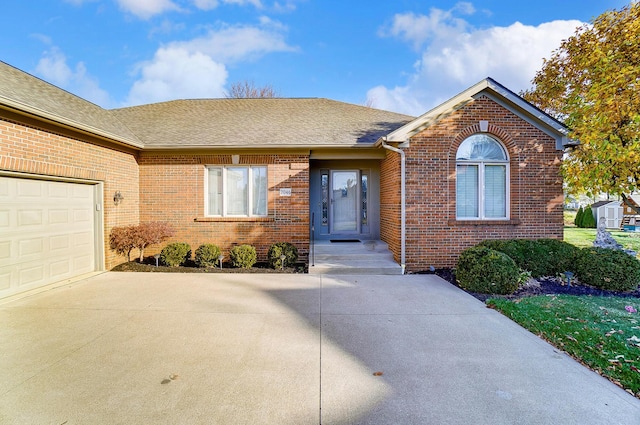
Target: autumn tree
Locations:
point(592, 83)
point(123, 239)
point(248, 90)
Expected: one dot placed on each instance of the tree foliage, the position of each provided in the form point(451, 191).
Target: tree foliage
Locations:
point(123, 239)
point(248, 90)
point(592, 83)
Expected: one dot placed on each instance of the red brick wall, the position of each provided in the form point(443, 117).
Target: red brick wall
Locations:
point(390, 202)
point(172, 190)
point(33, 150)
point(434, 236)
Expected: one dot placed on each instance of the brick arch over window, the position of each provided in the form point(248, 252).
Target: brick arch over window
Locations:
point(493, 130)
point(509, 144)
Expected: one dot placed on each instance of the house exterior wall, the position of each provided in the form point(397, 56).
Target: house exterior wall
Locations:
point(434, 237)
point(34, 149)
point(390, 214)
point(172, 189)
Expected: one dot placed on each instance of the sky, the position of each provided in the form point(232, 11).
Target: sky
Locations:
point(405, 56)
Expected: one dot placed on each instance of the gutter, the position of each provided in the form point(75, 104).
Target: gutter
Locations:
point(403, 227)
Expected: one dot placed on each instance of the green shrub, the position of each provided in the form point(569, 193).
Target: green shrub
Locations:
point(282, 248)
point(608, 269)
point(578, 220)
point(540, 257)
point(487, 271)
point(175, 254)
point(207, 255)
point(560, 256)
point(588, 220)
point(243, 256)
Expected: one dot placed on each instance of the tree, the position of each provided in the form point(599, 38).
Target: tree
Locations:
point(124, 238)
point(592, 83)
point(248, 90)
point(578, 220)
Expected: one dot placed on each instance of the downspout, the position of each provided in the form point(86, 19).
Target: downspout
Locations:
point(402, 203)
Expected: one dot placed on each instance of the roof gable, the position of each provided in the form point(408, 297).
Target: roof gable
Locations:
point(496, 92)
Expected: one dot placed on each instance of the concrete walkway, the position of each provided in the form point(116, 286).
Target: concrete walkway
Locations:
point(124, 348)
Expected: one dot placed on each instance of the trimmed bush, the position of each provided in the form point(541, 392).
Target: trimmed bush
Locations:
point(487, 271)
point(207, 255)
point(540, 257)
point(282, 248)
point(608, 269)
point(175, 254)
point(588, 220)
point(243, 256)
point(578, 220)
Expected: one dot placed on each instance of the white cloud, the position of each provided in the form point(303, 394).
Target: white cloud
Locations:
point(205, 4)
point(53, 67)
point(176, 73)
point(236, 43)
point(145, 9)
point(454, 56)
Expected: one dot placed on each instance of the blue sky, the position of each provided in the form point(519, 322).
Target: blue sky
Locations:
point(405, 56)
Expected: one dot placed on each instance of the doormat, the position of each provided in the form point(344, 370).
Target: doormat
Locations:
point(344, 240)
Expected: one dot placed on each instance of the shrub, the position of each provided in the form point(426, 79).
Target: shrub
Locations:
point(175, 254)
point(243, 256)
point(608, 269)
point(124, 239)
point(588, 220)
point(207, 255)
point(487, 271)
point(540, 257)
point(578, 220)
point(282, 248)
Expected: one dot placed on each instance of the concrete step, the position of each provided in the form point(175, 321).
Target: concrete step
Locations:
point(367, 257)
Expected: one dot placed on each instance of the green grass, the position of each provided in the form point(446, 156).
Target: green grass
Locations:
point(597, 331)
point(585, 237)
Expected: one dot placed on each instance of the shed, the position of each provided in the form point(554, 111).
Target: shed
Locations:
point(612, 212)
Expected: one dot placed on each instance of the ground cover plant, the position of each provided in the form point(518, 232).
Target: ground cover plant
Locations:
point(602, 333)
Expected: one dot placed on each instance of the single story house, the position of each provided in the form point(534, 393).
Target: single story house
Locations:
point(484, 164)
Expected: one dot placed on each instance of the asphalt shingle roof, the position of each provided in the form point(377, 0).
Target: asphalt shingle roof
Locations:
point(27, 93)
point(274, 122)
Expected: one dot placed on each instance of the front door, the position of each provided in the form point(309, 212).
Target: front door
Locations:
point(344, 201)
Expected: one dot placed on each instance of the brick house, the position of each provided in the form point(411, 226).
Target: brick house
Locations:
point(483, 165)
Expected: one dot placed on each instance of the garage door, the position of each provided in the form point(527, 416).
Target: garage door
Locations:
point(47, 232)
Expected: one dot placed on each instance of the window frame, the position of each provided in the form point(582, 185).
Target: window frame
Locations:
point(249, 187)
point(481, 189)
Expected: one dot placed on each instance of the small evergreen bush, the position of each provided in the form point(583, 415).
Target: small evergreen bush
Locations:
point(207, 255)
point(487, 271)
point(282, 248)
point(608, 269)
point(578, 220)
point(540, 257)
point(175, 254)
point(588, 220)
point(243, 256)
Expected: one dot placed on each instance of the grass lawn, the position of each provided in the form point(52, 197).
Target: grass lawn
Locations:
point(585, 237)
point(599, 332)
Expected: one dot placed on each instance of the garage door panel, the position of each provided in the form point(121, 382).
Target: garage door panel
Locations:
point(46, 232)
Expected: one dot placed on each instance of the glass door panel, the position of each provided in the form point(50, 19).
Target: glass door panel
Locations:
point(345, 199)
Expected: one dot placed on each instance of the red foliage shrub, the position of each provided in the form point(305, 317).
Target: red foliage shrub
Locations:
point(123, 239)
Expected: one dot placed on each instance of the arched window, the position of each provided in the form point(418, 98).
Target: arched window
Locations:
point(482, 179)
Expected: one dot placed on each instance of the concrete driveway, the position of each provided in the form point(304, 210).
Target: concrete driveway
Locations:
point(135, 348)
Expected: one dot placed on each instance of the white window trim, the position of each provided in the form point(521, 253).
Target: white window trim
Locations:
point(481, 190)
point(481, 185)
point(224, 190)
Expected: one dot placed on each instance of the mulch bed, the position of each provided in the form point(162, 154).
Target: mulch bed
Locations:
point(547, 286)
point(190, 267)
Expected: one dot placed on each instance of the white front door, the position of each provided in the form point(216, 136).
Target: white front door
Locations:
point(344, 199)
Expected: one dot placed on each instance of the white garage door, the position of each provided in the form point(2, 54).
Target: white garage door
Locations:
point(47, 232)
